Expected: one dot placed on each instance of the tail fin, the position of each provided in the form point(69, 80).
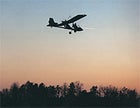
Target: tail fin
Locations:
point(52, 23)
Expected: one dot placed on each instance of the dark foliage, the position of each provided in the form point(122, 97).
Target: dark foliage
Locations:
point(38, 95)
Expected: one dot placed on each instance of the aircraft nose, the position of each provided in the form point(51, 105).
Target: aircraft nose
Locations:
point(84, 15)
point(81, 29)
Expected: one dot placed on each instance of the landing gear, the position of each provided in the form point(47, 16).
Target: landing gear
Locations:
point(70, 32)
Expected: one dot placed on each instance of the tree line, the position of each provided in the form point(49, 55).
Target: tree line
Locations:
point(38, 95)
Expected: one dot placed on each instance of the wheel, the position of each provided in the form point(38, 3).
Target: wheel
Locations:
point(70, 32)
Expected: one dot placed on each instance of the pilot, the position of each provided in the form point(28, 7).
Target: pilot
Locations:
point(74, 25)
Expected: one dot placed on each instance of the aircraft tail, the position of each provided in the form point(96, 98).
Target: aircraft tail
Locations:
point(52, 23)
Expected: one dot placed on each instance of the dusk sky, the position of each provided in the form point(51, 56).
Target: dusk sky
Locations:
point(107, 52)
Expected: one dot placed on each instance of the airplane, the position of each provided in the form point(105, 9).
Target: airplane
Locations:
point(65, 24)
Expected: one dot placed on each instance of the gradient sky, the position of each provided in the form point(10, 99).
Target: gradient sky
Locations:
point(106, 52)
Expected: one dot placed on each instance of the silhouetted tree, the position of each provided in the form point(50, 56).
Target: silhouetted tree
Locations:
point(94, 91)
point(110, 94)
point(75, 88)
point(109, 91)
point(5, 98)
point(64, 90)
point(14, 94)
point(128, 96)
point(33, 95)
point(58, 91)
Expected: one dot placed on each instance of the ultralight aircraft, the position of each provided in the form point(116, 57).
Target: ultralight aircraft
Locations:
point(66, 24)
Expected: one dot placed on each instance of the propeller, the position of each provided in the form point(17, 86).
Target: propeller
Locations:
point(89, 28)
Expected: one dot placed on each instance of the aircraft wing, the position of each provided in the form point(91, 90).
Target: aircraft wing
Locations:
point(77, 17)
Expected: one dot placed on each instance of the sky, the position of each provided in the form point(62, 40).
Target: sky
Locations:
point(105, 53)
